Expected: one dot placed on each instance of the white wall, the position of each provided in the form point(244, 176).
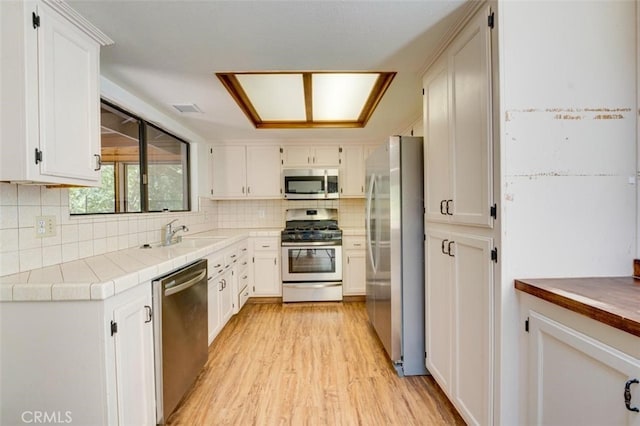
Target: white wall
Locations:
point(568, 154)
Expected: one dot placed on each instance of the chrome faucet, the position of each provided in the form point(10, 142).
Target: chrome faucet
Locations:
point(169, 232)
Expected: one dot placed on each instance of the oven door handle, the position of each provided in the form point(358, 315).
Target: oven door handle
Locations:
point(319, 285)
point(312, 244)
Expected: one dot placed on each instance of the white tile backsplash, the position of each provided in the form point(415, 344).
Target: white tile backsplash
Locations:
point(8, 194)
point(29, 195)
point(77, 236)
point(271, 213)
point(8, 217)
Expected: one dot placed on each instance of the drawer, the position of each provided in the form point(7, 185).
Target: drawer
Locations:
point(230, 257)
point(243, 263)
point(242, 297)
point(266, 244)
point(243, 247)
point(243, 279)
point(215, 265)
point(355, 243)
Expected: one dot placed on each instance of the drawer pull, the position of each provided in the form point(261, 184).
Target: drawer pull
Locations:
point(627, 395)
point(245, 277)
point(357, 244)
point(233, 256)
point(267, 246)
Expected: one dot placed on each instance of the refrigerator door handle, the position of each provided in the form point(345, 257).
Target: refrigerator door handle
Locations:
point(372, 182)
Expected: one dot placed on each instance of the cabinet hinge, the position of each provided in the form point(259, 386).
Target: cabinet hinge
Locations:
point(114, 327)
point(38, 156)
point(494, 211)
point(526, 325)
point(35, 19)
point(494, 254)
point(490, 20)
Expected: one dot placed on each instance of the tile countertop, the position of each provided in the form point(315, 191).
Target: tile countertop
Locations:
point(614, 301)
point(100, 277)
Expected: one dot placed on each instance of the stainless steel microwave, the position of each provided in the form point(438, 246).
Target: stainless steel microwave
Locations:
point(310, 184)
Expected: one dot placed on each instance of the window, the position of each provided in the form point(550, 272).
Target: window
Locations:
point(129, 147)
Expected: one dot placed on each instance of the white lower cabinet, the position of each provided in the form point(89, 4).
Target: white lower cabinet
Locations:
point(134, 360)
point(241, 277)
point(266, 267)
point(81, 362)
point(459, 320)
point(215, 268)
point(225, 301)
point(354, 272)
point(575, 379)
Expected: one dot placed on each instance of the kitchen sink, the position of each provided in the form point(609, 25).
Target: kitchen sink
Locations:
point(186, 243)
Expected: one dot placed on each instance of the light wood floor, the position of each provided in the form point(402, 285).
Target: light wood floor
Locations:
point(311, 363)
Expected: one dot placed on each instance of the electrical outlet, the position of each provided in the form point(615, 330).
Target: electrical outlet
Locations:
point(45, 226)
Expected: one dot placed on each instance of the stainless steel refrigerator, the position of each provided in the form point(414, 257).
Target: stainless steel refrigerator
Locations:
point(395, 251)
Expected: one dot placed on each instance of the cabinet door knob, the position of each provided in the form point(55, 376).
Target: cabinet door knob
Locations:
point(98, 162)
point(149, 313)
point(627, 395)
point(442, 207)
point(449, 248)
point(450, 213)
point(442, 246)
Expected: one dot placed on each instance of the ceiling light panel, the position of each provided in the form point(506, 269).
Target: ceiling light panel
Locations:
point(341, 96)
point(275, 97)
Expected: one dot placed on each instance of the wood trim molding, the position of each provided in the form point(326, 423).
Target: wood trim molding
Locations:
point(233, 86)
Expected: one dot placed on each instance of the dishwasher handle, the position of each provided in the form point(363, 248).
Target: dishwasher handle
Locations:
point(172, 287)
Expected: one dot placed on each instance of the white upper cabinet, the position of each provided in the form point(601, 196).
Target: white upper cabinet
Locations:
point(228, 172)
point(263, 171)
point(458, 133)
point(436, 146)
point(245, 172)
point(305, 156)
point(352, 174)
point(50, 77)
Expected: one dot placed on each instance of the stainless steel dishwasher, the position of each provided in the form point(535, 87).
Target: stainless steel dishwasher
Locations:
point(180, 334)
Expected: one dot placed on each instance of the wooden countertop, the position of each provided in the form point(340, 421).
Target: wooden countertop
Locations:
point(614, 301)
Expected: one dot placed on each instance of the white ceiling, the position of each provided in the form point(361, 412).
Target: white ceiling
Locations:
point(167, 52)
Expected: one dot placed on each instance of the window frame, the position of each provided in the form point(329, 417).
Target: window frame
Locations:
point(143, 163)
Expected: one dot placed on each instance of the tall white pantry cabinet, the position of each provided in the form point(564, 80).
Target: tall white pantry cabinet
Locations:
point(459, 219)
point(50, 122)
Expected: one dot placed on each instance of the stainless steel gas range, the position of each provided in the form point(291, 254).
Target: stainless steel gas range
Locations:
point(311, 256)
